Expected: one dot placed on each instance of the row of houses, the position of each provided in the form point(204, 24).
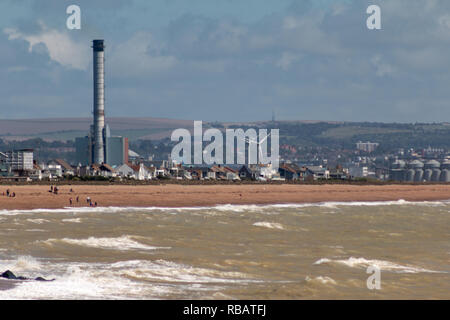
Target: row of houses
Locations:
point(20, 164)
point(59, 168)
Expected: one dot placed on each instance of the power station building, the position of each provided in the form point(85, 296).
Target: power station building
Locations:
point(99, 146)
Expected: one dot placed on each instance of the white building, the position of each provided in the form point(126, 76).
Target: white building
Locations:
point(141, 172)
point(20, 160)
point(358, 172)
point(367, 146)
point(124, 171)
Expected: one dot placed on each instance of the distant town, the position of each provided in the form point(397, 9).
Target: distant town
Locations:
point(363, 163)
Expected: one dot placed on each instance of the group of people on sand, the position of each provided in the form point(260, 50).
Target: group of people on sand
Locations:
point(53, 189)
point(9, 194)
point(72, 201)
point(88, 201)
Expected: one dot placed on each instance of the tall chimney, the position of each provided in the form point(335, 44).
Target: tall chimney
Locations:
point(99, 101)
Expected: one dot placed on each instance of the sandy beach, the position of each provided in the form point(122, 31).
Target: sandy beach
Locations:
point(32, 197)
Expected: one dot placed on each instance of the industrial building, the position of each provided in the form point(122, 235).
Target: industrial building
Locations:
point(418, 171)
point(115, 149)
point(99, 147)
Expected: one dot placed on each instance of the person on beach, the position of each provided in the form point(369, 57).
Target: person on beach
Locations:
point(88, 199)
point(7, 192)
point(70, 200)
point(51, 189)
point(78, 199)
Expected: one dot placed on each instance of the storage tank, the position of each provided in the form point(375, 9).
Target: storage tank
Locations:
point(445, 164)
point(416, 164)
point(445, 175)
point(432, 164)
point(427, 174)
point(410, 173)
point(418, 177)
point(436, 175)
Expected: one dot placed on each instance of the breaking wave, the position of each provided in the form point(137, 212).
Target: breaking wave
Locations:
point(321, 280)
point(75, 220)
point(132, 279)
point(226, 207)
point(121, 243)
point(383, 265)
point(270, 225)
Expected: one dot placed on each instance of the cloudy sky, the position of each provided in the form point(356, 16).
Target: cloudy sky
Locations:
point(229, 60)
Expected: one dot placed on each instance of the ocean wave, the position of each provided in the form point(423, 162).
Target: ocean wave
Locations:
point(75, 220)
point(131, 279)
point(169, 271)
point(38, 221)
point(121, 243)
point(24, 265)
point(270, 225)
point(321, 280)
point(383, 265)
point(228, 207)
point(80, 281)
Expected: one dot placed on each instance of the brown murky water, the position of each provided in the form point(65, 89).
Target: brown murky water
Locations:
point(319, 251)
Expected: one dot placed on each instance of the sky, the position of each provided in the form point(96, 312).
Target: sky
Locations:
point(229, 60)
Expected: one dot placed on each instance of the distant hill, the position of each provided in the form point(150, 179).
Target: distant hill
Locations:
point(57, 129)
point(298, 133)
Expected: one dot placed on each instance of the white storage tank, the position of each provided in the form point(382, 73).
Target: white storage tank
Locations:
point(427, 174)
point(435, 177)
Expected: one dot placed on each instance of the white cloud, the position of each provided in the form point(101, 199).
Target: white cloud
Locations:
point(60, 46)
point(287, 58)
point(382, 68)
point(141, 55)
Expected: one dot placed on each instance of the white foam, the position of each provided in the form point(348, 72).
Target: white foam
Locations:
point(123, 243)
point(225, 208)
point(80, 281)
point(270, 225)
point(134, 279)
point(75, 220)
point(23, 265)
point(321, 280)
point(383, 265)
point(37, 221)
point(163, 270)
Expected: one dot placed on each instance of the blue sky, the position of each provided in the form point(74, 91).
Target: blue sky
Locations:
point(229, 60)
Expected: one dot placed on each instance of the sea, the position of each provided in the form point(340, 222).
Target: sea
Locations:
point(287, 251)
